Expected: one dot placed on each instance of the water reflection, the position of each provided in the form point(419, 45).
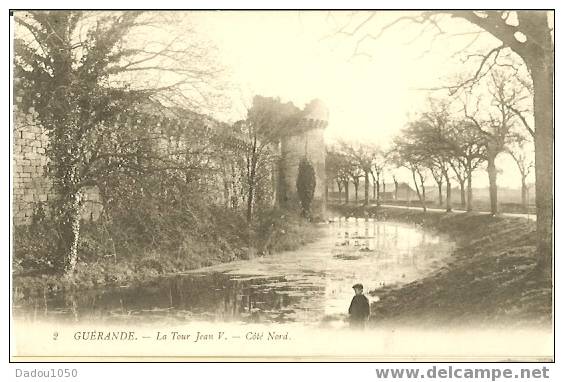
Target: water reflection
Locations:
point(310, 285)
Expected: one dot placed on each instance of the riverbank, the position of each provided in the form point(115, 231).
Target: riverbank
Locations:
point(489, 280)
point(103, 263)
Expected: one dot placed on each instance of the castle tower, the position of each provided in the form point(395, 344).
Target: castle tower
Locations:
point(307, 140)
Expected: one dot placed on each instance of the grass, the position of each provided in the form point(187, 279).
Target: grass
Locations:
point(125, 260)
point(491, 278)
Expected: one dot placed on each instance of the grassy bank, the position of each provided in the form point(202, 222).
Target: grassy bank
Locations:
point(489, 280)
point(123, 258)
point(477, 205)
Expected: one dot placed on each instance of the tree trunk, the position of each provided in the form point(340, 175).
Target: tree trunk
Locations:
point(542, 72)
point(250, 201)
point(252, 182)
point(462, 193)
point(417, 189)
point(366, 188)
point(440, 185)
point(492, 176)
point(524, 202)
point(469, 204)
point(339, 187)
point(347, 192)
point(355, 184)
point(226, 187)
point(69, 230)
point(234, 190)
point(396, 187)
point(377, 189)
point(448, 195)
point(374, 185)
point(424, 199)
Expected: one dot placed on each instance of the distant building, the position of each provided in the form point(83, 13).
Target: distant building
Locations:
point(404, 192)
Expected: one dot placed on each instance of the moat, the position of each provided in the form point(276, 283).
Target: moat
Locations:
point(311, 285)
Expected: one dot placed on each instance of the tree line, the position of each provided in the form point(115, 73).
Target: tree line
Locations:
point(527, 36)
point(446, 143)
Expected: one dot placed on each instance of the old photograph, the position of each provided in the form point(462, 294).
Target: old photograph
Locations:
point(258, 185)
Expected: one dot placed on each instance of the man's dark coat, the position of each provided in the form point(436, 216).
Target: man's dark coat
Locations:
point(359, 309)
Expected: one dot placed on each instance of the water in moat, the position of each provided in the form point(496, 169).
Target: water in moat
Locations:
point(312, 285)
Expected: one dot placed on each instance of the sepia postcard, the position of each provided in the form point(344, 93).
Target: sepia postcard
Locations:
point(258, 185)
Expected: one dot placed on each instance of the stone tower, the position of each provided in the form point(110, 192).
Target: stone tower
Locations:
point(307, 140)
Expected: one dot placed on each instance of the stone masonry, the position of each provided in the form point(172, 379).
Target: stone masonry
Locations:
point(31, 183)
point(31, 186)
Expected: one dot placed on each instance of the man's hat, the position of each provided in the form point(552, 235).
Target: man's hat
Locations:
point(358, 286)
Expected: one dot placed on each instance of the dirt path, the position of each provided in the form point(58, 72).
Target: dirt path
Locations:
point(531, 217)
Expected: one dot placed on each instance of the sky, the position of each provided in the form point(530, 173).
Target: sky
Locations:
point(299, 56)
point(371, 86)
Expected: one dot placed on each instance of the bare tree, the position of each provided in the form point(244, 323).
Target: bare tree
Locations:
point(377, 173)
point(407, 153)
point(518, 150)
point(436, 147)
point(335, 167)
point(267, 121)
point(355, 174)
point(495, 127)
point(529, 35)
point(469, 153)
point(459, 169)
point(369, 160)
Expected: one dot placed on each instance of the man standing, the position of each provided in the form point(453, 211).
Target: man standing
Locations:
point(359, 311)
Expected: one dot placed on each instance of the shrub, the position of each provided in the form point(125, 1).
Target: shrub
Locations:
point(305, 185)
point(34, 249)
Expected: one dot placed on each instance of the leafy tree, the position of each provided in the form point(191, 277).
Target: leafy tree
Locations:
point(76, 69)
point(305, 185)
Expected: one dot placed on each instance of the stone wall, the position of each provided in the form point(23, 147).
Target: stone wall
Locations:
point(31, 185)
